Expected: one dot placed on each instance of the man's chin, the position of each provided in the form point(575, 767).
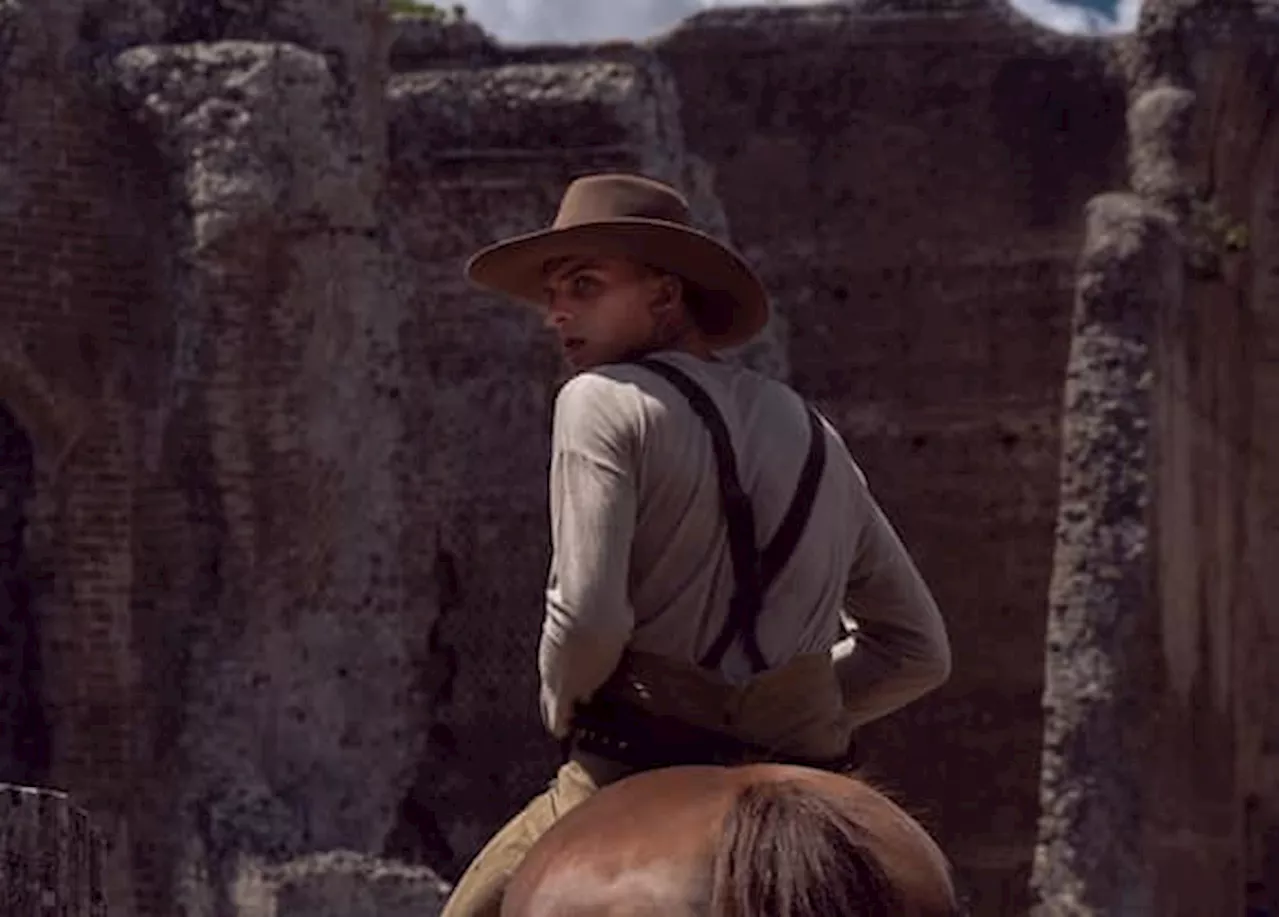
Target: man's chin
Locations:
point(580, 358)
point(585, 357)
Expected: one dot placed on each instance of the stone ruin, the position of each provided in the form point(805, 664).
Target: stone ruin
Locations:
point(273, 476)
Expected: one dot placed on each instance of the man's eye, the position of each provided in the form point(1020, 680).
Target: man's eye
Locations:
point(582, 285)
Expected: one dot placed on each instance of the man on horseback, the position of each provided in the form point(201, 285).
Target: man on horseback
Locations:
point(706, 526)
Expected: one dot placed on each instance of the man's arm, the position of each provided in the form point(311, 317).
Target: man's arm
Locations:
point(589, 618)
point(899, 650)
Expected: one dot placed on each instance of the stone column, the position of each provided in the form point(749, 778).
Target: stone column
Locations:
point(287, 301)
point(1102, 648)
point(50, 856)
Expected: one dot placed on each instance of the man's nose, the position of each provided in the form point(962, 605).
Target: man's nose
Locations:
point(555, 317)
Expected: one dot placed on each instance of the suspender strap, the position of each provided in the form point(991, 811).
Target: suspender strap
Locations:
point(783, 543)
point(753, 570)
point(740, 521)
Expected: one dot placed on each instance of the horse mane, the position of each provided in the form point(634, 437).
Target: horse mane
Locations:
point(789, 849)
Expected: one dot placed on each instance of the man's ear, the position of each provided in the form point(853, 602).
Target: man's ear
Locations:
point(668, 294)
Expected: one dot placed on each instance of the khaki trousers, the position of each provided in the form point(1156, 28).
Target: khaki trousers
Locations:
point(795, 709)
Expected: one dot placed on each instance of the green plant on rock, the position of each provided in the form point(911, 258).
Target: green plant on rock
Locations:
point(455, 13)
point(1212, 235)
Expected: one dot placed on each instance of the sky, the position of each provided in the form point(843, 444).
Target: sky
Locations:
point(519, 21)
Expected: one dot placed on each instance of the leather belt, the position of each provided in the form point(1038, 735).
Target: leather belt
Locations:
point(631, 735)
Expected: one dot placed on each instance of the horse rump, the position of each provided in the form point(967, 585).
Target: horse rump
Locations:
point(791, 850)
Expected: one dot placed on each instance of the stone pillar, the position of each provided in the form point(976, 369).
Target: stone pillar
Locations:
point(287, 305)
point(1102, 649)
point(50, 856)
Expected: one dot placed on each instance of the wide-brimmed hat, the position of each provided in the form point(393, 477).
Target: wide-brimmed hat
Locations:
point(634, 217)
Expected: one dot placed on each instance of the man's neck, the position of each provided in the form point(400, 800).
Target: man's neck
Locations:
point(698, 348)
point(640, 353)
point(685, 341)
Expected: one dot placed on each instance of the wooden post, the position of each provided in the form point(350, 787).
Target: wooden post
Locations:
point(50, 856)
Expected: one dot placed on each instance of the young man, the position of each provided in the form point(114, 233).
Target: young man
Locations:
point(706, 524)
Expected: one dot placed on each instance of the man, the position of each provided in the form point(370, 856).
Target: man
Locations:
point(705, 525)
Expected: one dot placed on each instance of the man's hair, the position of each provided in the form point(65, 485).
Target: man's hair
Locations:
point(707, 315)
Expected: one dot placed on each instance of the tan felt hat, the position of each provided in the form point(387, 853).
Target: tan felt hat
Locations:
point(635, 217)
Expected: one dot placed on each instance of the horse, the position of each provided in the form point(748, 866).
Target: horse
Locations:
point(757, 840)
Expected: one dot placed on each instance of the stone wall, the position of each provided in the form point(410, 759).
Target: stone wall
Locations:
point(50, 856)
point(1222, 378)
point(1159, 786)
point(341, 884)
point(911, 183)
point(208, 367)
point(478, 153)
point(291, 462)
point(81, 305)
point(1214, 493)
point(24, 727)
point(285, 527)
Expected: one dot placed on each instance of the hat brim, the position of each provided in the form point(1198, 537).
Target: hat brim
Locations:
point(734, 306)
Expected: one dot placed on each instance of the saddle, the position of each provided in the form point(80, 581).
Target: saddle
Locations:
point(614, 728)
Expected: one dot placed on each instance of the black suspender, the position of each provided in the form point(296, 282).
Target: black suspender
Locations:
point(754, 570)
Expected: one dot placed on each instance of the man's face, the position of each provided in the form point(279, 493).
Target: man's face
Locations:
point(600, 308)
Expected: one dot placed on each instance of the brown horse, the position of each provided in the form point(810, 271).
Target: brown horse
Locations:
point(762, 840)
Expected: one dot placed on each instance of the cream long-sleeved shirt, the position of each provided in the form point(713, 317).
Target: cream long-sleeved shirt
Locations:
point(640, 556)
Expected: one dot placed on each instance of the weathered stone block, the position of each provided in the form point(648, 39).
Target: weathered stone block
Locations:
point(50, 856)
point(337, 884)
point(419, 42)
point(1159, 131)
point(257, 133)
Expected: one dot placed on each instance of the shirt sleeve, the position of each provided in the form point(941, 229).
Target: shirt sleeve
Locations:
point(898, 649)
point(589, 618)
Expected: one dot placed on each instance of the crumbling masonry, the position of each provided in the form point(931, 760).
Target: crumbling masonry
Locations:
point(272, 509)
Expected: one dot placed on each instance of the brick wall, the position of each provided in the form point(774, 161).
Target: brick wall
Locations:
point(77, 287)
point(477, 155)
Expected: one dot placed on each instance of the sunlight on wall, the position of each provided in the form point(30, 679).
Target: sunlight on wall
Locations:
point(531, 21)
